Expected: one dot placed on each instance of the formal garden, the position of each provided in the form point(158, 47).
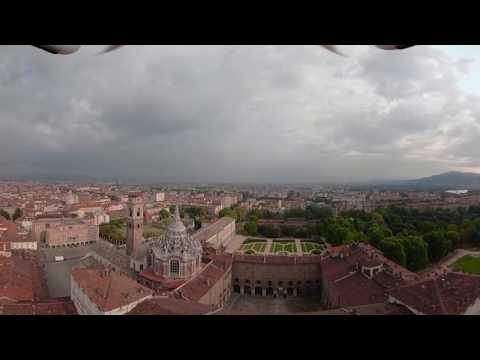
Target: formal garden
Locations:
point(254, 246)
point(283, 246)
point(314, 248)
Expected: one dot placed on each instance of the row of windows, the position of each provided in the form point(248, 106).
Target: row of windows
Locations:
point(280, 283)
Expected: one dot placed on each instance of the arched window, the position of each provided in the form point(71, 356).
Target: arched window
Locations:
point(138, 212)
point(131, 212)
point(174, 267)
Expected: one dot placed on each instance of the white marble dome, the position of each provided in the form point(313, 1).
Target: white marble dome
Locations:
point(175, 254)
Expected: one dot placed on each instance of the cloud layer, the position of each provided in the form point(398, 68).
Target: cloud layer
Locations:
point(237, 113)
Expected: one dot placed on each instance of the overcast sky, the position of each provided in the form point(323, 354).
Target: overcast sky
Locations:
point(240, 113)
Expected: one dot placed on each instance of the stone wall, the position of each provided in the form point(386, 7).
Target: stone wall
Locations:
point(274, 277)
point(219, 294)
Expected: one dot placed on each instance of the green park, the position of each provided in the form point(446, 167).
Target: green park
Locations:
point(468, 264)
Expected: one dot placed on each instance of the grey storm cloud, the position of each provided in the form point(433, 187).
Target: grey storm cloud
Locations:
point(236, 113)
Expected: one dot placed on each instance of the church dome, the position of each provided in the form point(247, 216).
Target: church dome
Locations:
point(176, 241)
point(177, 225)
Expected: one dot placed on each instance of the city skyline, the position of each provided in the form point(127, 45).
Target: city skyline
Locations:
point(260, 114)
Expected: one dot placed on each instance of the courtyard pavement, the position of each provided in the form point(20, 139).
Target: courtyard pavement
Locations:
point(58, 273)
point(273, 306)
point(235, 243)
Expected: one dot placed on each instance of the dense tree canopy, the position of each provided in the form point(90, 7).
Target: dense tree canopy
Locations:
point(251, 228)
point(438, 245)
point(113, 231)
point(17, 214)
point(416, 252)
point(163, 214)
point(236, 213)
point(408, 236)
point(393, 249)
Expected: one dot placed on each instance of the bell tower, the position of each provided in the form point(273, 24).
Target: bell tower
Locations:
point(134, 222)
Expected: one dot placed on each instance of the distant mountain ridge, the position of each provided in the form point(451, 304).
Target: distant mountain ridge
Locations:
point(451, 179)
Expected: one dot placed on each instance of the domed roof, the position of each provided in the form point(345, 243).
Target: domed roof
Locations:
point(177, 224)
point(176, 241)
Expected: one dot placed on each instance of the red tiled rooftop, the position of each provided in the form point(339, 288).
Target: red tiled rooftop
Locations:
point(166, 283)
point(16, 279)
point(109, 290)
point(169, 306)
point(52, 307)
point(451, 293)
point(198, 286)
point(359, 290)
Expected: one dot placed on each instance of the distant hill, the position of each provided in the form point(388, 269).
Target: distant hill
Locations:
point(452, 179)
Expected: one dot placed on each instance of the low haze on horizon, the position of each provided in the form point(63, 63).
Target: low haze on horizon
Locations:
point(280, 114)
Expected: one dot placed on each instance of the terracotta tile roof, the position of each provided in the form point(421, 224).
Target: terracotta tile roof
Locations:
point(8, 230)
point(109, 290)
point(169, 306)
point(165, 283)
point(352, 288)
point(359, 290)
point(16, 279)
point(451, 294)
point(198, 286)
point(52, 307)
point(388, 281)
